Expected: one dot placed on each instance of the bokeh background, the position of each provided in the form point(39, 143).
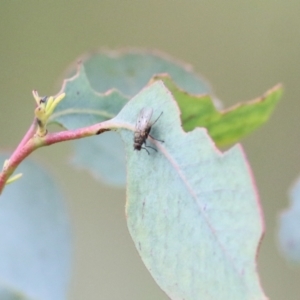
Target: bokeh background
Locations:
point(242, 47)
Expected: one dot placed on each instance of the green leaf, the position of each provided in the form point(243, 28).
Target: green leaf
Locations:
point(192, 211)
point(228, 126)
point(289, 227)
point(35, 239)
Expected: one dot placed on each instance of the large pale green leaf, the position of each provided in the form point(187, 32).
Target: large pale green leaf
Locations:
point(192, 211)
point(35, 239)
point(289, 230)
point(226, 126)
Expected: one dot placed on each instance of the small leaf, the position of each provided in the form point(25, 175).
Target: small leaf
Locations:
point(14, 178)
point(228, 126)
point(192, 211)
point(35, 242)
point(289, 227)
point(82, 106)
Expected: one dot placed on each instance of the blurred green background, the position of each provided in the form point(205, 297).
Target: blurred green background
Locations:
point(242, 47)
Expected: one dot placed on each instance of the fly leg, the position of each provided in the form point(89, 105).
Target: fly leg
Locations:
point(146, 150)
point(152, 125)
point(157, 119)
point(156, 139)
point(146, 146)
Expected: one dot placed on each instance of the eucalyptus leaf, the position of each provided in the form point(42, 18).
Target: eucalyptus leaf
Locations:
point(192, 211)
point(103, 156)
point(289, 227)
point(35, 238)
point(129, 70)
point(105, 81)
point(83, 106)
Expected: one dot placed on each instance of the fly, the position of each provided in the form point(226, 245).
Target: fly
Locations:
point(142, 129)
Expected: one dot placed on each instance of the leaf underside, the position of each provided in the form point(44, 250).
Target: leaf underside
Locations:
point(192, 211)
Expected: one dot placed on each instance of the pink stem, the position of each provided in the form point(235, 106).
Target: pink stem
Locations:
point(29, 134)
point(30, 143)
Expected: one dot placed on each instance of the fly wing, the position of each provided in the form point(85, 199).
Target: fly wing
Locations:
point(143, 119)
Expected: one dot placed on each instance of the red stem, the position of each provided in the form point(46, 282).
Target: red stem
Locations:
point(30, 143)
point(29, 134)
